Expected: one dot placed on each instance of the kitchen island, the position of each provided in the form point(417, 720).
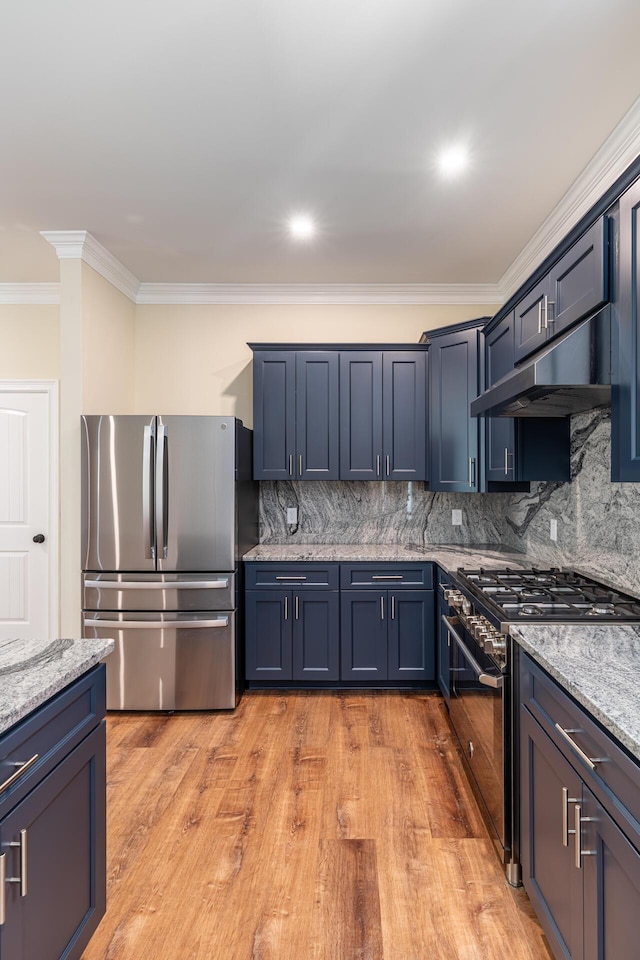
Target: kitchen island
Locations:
point(52, 796)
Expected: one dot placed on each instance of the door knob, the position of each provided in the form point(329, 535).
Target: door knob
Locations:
point(39, 538)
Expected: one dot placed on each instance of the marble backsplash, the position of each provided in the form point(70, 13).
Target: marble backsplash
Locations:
point(598, 521)
point(371, 512)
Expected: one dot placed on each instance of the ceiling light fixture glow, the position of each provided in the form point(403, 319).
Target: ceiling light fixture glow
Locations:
point(453, 161)
point(302, 227)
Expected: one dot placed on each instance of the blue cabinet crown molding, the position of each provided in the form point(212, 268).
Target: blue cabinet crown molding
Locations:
point(295, 347)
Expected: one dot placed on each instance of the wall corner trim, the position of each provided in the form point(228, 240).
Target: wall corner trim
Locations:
point(81, 245)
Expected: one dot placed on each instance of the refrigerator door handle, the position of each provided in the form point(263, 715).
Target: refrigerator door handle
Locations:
point(148, 530)
point(156, 624)
point(162, 492)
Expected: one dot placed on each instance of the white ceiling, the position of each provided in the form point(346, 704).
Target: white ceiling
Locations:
point(182, 135)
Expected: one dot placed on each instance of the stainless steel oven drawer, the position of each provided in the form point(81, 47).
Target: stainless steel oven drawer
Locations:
point(602, 764)
point(159, 591)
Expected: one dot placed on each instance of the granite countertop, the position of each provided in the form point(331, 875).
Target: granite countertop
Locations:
point(447, 556)
point(598, 665)
point(32, 671)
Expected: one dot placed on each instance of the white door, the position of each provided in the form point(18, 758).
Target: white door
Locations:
point(26, 589)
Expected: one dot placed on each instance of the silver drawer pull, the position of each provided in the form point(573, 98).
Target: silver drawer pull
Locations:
point(388, 576)
point(143, 585)
point(291, 578)
point(22, 768)
point(590, 761)
point(156, 624)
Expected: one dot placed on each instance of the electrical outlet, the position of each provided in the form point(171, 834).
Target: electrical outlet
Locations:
point(292, 515)
point(456, 518)
point(553, 530)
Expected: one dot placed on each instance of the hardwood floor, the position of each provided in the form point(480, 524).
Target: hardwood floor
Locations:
point(303, 826)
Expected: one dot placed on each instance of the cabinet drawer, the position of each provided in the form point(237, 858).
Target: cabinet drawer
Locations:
point(280, 575)
point(49, 734)
point(616, 777)
point(359, 576)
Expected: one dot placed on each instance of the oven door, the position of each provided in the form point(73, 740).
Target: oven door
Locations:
point(477, 711)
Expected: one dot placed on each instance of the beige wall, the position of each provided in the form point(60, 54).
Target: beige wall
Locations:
point(108, 346)
point(195, 359)
point(29, 348)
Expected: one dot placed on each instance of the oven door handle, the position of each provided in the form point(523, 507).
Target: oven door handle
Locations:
point(486, 679)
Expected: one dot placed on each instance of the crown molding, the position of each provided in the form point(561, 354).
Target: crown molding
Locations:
point(322, 293)
point(81, 245)
point(25, 293)
point(618, 151)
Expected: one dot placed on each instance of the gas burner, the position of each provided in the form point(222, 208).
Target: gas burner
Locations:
point(601, 610)
point(527, 591)
point(530, 610)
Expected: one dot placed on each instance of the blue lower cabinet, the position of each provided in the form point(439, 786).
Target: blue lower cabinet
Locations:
point(363, 635)
point(316, 635)
point(387, 635)
point(53, 841)
point(268, 635)
point(292, 635)
point(410, 624)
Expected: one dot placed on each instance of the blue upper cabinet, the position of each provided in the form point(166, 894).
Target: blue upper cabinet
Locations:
point(500, 431)
point(572, 289)
point(361, 456)
point(295, 415)
point(454, 434)
point(625, 387)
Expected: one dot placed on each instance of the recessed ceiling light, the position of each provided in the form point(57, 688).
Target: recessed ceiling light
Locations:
point(453, 161)
point(302, 227)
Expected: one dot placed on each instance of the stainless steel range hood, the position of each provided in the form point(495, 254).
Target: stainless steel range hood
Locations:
point(573, 374)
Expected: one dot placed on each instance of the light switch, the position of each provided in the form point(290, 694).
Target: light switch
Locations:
point(292, 515)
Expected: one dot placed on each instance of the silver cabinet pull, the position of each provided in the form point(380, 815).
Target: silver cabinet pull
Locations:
point(377, 465)
point(548, 314)
point(382, 608)
point(286, 607)
point(388, 465)
point(393, 606)
point(21, 768)
point(578, 819)
point(22, 879)
point(506, 461)
point(291, 578)
point(590, 761)
point(566, 800)
point(290, 464)
point(300, 463)
point(472, 470)
point(297, 605)
point(539, 316)
point(387, 576)
point(3, 889)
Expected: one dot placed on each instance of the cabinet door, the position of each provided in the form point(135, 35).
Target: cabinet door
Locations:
point(611, 867)
point(411, 642)
point(500, 431)
point(404, 429)
point(274, 387)
point(317, 437)
point(363, 635)
point(625, 388)
point(579, 282)
point(268, 634)
point(62, 824)
point(316, 635)
point(547, 849)
point(530, 333)
point(444, 652)
point(453, 379)
point(361, 416)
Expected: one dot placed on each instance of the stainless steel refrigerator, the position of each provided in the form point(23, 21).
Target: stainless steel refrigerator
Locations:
point(168, 509)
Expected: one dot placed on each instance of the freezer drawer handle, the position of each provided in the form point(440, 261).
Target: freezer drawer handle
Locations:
point(156, 624)
point(143, 585)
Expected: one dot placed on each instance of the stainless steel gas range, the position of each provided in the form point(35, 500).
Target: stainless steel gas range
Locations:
point(485, 605)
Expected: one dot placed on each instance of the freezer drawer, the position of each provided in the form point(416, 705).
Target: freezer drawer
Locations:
point(171, 661)
point(159, 591)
